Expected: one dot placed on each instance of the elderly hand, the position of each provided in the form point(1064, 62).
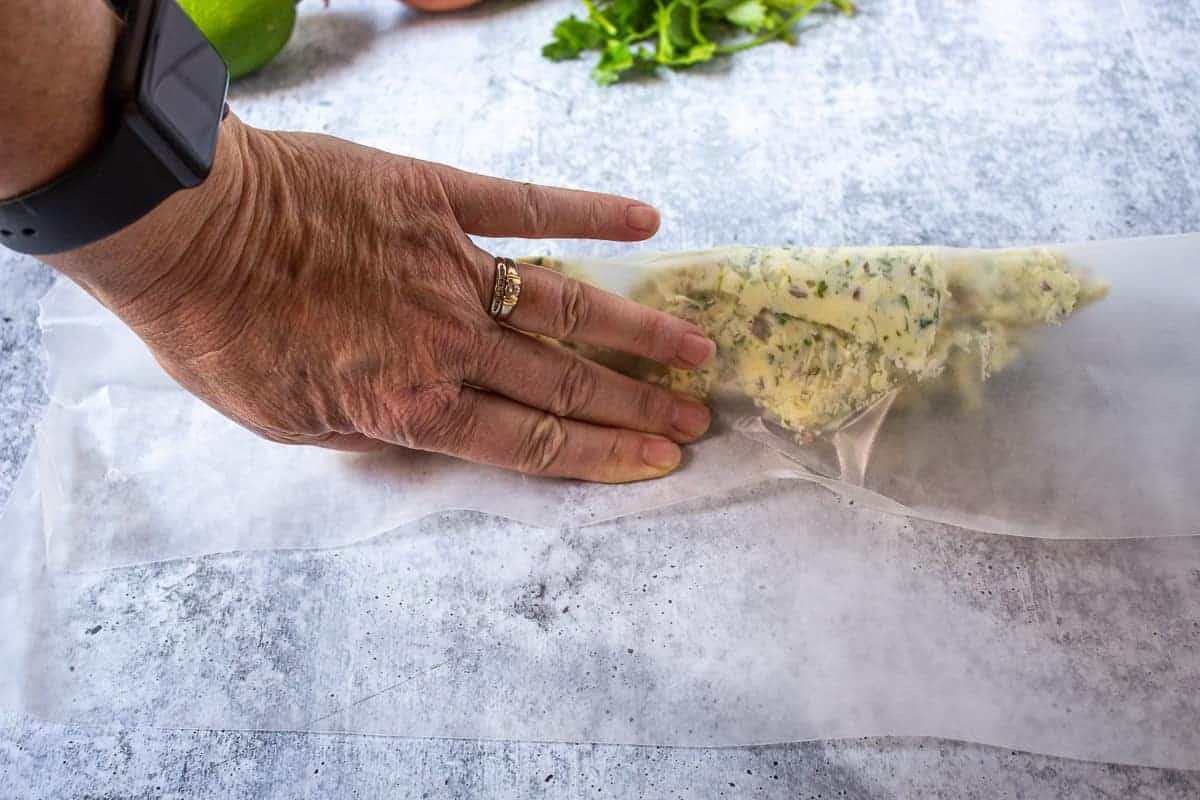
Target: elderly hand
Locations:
point(319, 292)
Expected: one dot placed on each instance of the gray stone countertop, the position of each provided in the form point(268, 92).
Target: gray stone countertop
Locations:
point(991, 122)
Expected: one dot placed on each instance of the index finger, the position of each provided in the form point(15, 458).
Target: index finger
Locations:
point(487, 206)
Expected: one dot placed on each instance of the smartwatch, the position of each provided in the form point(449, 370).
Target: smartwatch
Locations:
point(165, 100)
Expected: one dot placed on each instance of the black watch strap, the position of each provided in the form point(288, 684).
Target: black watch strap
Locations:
point(90, 195)
point(165, 101)
point(93, 196)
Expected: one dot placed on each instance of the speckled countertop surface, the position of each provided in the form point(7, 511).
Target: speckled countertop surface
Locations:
point(993, 122)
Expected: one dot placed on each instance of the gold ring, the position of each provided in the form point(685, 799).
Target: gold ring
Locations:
point(507, 290)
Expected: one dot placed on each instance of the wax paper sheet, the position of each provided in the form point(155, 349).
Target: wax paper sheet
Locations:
point(150, 472)
point(1090, 435)
point(725, 623)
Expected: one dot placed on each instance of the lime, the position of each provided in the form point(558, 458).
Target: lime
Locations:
point(247, 33)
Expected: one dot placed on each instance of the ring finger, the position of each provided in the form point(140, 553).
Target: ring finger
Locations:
point(554, 305)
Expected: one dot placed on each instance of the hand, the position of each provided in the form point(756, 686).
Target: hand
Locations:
point(319, 292)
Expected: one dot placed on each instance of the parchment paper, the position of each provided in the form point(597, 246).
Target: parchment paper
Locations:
point(1092, 433)
point(788, 614)
point(725, 624)
point(1091, 436)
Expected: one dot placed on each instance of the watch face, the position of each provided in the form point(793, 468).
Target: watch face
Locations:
point(183, 85)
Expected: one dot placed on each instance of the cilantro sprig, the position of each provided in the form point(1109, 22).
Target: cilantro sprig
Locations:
point(641, 35)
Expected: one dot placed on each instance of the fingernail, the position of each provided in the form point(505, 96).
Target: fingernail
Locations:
point(661, 454)
point(642, 218)
point(694, 350)
point(690, 418)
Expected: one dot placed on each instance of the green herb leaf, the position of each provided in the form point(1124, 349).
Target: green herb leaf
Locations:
point(571, 37)
point(616, 58)
point(750, 15)
point(678, 33)
point(597, 16)
point(633, 16)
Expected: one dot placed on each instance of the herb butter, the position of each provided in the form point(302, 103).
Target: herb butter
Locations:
point(814, 336)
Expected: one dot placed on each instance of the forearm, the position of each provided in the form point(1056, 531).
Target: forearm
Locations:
point(55, 74)
point(54, 57)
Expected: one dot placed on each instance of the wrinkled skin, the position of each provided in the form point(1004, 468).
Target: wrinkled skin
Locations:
point(319, 292)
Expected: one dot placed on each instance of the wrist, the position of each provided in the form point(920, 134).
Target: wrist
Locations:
point(145, 259)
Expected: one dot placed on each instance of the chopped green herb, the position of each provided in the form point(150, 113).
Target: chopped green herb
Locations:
point(822, 287)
